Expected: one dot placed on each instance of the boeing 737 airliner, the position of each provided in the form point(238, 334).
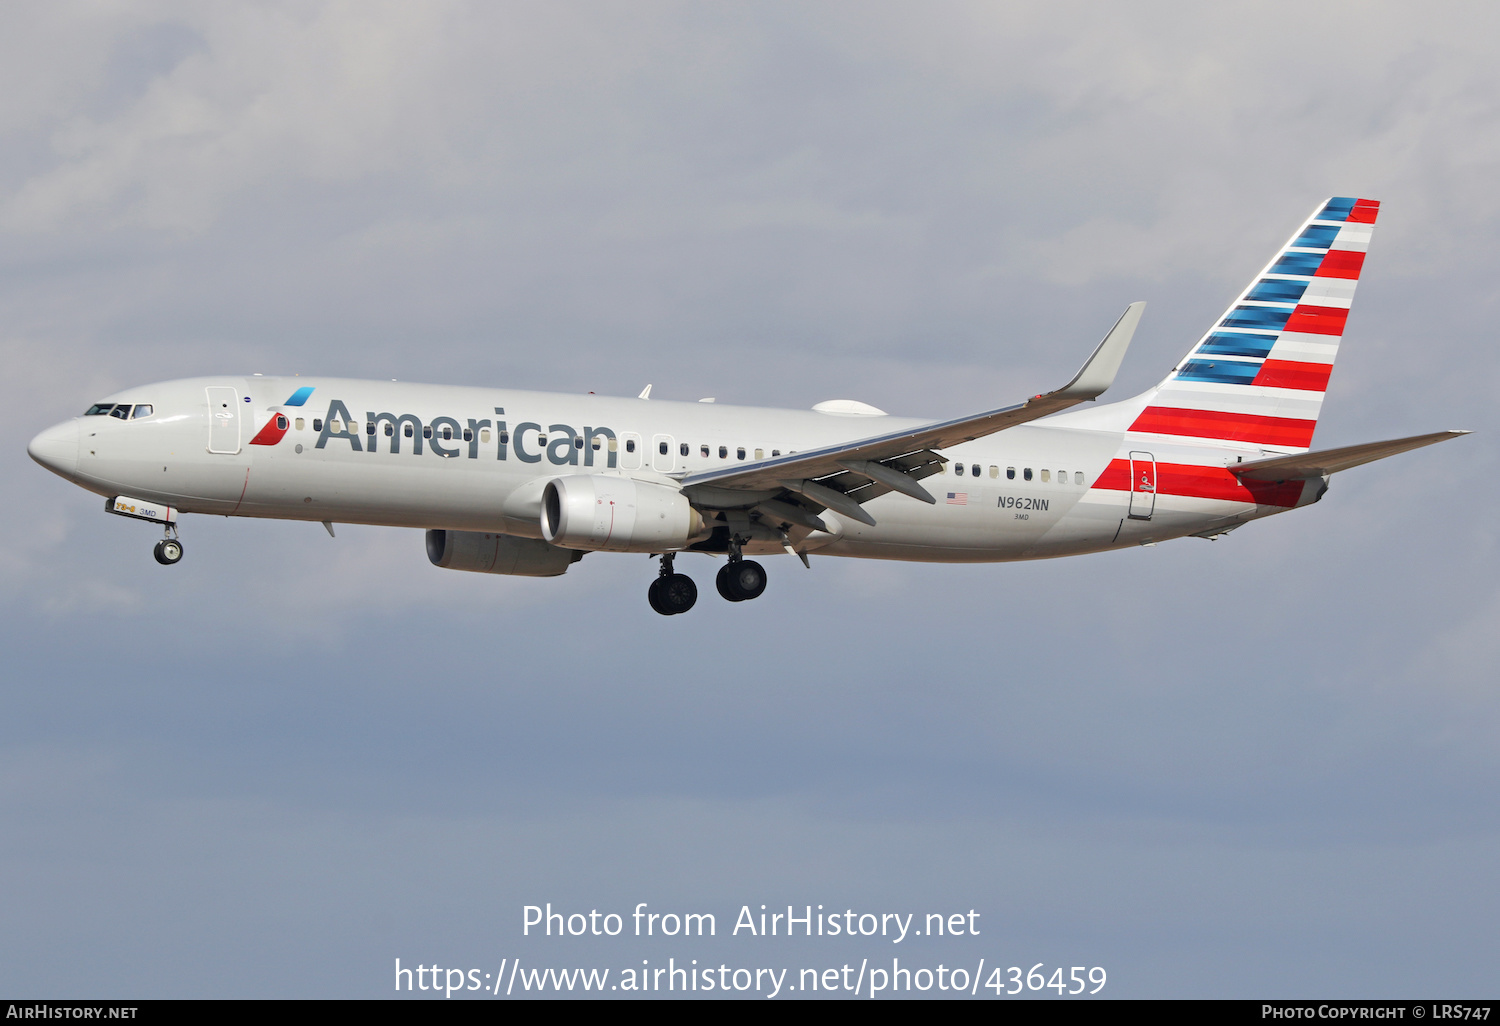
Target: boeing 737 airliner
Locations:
point(510, 482)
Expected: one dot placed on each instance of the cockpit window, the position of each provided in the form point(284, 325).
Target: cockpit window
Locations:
point(121, 410)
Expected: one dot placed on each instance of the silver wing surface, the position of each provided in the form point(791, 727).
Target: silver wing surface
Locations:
point(841, 477)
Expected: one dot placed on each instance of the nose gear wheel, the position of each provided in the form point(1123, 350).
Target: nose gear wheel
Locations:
point(168, 551)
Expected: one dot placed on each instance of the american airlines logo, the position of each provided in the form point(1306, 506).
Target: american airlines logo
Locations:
point(276, 428)
point(559, 444)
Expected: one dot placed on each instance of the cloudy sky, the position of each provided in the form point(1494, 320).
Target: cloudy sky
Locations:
point(1262, 766)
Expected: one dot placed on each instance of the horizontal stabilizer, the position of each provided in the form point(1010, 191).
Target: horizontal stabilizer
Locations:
point(1329, 461)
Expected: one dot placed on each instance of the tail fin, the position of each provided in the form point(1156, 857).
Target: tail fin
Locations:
point(1259, 375)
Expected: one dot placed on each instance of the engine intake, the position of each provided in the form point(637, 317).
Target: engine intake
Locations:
point(486, 553)
point(617, 514)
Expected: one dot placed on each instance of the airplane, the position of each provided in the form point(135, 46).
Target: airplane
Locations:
point(525, 483)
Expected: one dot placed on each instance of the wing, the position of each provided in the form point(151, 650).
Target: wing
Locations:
point(841, 477)
point(1320, 464)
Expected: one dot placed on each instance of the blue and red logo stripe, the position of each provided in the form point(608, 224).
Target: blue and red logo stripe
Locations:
point(276, 428)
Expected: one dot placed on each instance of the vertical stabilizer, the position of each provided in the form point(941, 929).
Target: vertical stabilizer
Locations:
point(1258, 376)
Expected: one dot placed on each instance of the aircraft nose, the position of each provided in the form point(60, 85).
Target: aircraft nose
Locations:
point(57, 448)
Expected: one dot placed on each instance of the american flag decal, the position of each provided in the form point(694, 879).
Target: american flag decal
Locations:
point(958, 498)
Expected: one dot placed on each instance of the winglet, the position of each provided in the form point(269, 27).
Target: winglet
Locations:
point(1099, 372)
point(645, 393)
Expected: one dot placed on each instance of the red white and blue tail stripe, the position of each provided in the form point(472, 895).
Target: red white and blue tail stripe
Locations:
point(1259, 375)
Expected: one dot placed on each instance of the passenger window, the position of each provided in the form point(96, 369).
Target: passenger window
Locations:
point(723, 452)
point(683, 449)
point(302, 425)
point(408, 429)
point(630, 445)
point(369, 428)
point(958, 468)
point(994, 471)
point(1046, 475)
point(703, 451)
point(661, 447)
point(469, 435)
point(141, 410)
point(1026, 473)
point(1010, 473)
point(427, 431)
point(504, 436)
point(739, 453)
point(974, 470)
point(578, 441)
point(484, 434)
point(595, 443)
point(318, 425)
point(760, 454)
point(775, 453)
point(614, 445)
point(1078, 477)
point(280, 422)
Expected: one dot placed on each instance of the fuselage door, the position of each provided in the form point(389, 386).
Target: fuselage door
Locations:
point(1142, 485)
point(223, 419)
point(663, 453)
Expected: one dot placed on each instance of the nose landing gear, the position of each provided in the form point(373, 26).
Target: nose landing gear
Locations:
point(671, 593)
point(168, 551)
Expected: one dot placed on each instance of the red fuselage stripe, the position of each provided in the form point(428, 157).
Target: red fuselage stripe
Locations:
point(1204, 483)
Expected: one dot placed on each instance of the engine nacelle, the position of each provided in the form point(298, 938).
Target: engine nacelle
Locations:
point(617, 514)
point(487, 553)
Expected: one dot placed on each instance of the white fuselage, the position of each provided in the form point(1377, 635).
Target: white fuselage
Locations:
point(1056, 487)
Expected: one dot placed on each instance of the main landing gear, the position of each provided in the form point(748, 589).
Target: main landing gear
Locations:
point(739, 580)
point(671, 593)
point(169, 550)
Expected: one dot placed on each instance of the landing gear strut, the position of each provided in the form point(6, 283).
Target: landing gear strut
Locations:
point(169, 550)
point(740, 579)
point(671, 593)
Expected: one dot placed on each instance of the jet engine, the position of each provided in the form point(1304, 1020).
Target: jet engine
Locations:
point(486, 553)
point(617, 514)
